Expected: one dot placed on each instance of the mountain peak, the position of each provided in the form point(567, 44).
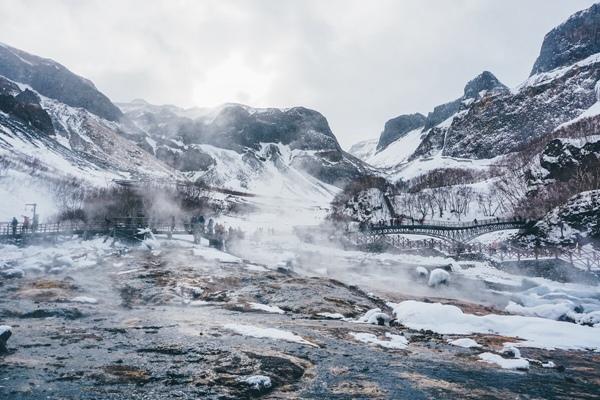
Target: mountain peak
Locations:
point(484, 81)
point(575, 39)
point(55, 81)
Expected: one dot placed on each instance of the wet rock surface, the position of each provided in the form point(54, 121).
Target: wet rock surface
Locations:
point(158, 330)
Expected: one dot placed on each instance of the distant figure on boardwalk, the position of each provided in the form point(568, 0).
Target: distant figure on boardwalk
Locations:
point(210, 228)
point(14, 224)
point(197, 227)
point(36, 222)
point(25, 226)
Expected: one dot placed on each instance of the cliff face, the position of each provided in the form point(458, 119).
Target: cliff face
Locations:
point(53, 80)
point(572, 41)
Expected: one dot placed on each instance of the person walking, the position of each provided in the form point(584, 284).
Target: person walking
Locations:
point(14, 224)
point(25, 226)
point(36, 222)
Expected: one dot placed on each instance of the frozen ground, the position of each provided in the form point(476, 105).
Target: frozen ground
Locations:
point(278, 317)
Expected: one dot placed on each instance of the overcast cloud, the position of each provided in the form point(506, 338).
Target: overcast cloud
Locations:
point(358, 62)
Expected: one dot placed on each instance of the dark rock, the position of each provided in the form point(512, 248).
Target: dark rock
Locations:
point(441, 113)
point(66, 313)
point(28, 97)
point(8, 88)
point(192, 159)
point(572, 41)
point(5, 334)
point(486, 81)
point(55, 81)
point(397, 127)
point(563, 158)
point(26, 107)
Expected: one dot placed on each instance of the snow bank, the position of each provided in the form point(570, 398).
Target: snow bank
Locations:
point(394, 342)
point(464, 342)
point(331, 315)
point(375, 317)
point(534, 331)
point(84, 299)
point(437, 277)
point(422, 271)
point(505, 363)
point(269, 333)
point(266, 308)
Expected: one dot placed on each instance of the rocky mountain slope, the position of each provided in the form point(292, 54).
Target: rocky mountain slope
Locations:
point(408, 137)
point(55, 124)
point(238, 146)
point(490, 120)
point(53, 80)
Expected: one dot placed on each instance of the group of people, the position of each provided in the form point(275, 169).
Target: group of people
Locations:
point(26, 226)
point(216, 233)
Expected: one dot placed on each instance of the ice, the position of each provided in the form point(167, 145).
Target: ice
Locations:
point(269, 333)
point(394, 342)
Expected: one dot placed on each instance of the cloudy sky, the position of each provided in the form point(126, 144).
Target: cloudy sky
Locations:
point(358, 62)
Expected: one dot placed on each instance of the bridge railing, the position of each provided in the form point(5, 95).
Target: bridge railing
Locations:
point(407, 222)
point(581, 258)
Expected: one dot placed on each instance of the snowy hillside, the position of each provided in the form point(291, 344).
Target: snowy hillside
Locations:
point(364, 150)
point(289, 152)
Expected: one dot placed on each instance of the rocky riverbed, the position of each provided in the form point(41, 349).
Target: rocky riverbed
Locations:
point(181, 321)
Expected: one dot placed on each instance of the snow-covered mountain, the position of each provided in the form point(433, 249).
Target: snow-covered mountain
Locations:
point(245, 148)
point(56, 125)
point(490, 120)
point(364, 149)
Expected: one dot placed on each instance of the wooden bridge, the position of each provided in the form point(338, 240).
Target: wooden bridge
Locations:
point(449, 231)
point(123, 227)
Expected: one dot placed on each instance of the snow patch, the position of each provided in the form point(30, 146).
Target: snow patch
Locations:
point(534, 331)
point(394, 342)
point(268, 333)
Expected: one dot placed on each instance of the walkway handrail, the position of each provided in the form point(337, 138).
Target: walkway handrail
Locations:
point(432, 224)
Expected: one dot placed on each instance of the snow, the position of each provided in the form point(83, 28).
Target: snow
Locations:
point(266, 308)
point(422, 166)
point(84, 299)
point(464, 342)
point(398, 151)
point(364, 149)
point(546, 77)
point(277, 178)
point(4, 329)
point(505, 363)
point(269, 333)
point(257, 382)
point(374, 316)
point(331, 315)
point(438, 276)
point(394, 342)
point(534, 331)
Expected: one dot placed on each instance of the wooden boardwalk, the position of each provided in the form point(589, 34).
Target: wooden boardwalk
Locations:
point(131, 228)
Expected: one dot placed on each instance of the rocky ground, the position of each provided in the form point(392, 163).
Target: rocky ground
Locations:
point(186, 322)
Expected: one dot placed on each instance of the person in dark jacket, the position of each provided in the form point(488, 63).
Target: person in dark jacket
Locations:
point(14, 224)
